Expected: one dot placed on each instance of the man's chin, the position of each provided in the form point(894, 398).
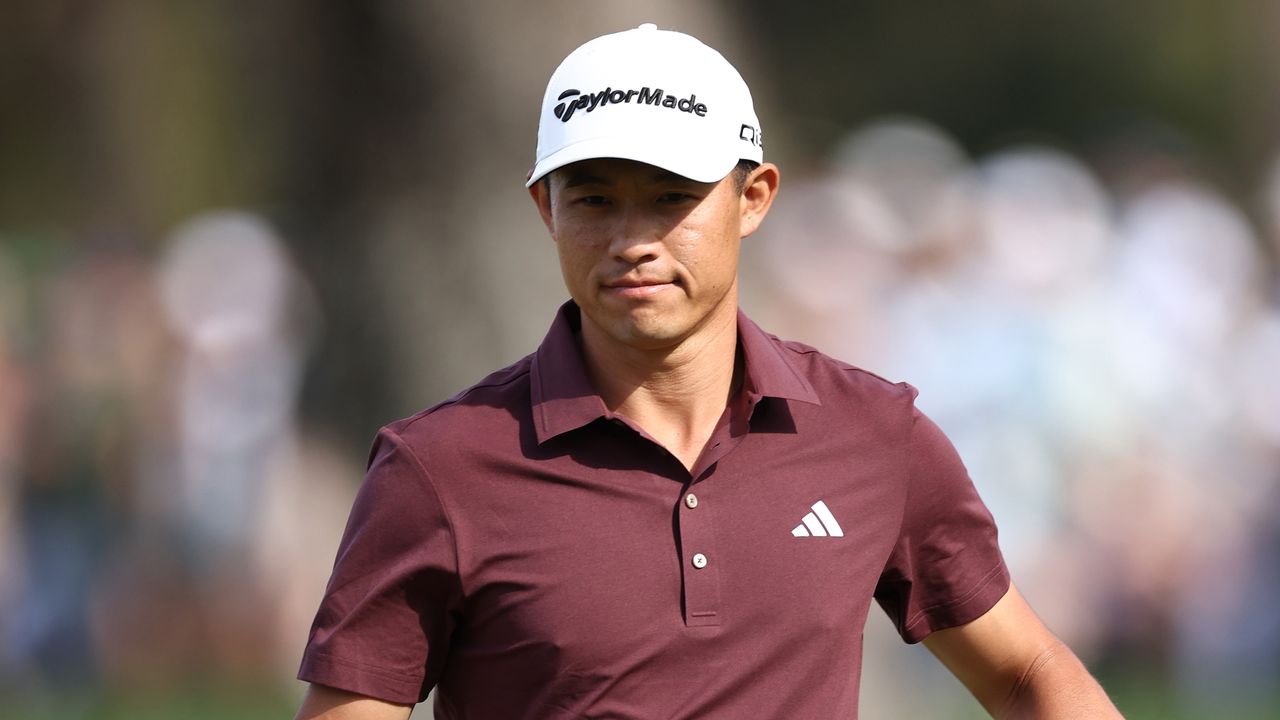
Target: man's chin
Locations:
point(646, 333)
point(647, 329)
point(645, 337)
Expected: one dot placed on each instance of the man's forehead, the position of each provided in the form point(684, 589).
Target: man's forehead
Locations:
point(604, 171)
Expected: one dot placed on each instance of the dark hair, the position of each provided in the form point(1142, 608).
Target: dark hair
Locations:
point(740, 173)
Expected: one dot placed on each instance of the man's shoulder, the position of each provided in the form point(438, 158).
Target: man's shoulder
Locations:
point(501, 398)
point(833, 378)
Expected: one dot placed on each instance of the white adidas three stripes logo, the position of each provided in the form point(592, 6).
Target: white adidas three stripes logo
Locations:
point(819, 523)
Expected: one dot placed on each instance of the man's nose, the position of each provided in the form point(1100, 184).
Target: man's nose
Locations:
point(635, 237)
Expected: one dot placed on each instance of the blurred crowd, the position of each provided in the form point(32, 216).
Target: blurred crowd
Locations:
point(1102, 348)
point(161, 504)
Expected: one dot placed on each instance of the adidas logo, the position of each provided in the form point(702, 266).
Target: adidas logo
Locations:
point(819, 523)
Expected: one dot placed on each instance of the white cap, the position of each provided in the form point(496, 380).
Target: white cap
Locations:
point(655, 96)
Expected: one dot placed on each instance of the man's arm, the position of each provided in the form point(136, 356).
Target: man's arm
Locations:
point(326, 703)
point(1016, 668)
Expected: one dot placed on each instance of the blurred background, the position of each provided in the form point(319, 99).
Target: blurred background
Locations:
point(237, 237)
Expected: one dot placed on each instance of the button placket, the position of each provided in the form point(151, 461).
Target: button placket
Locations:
point(701, 574)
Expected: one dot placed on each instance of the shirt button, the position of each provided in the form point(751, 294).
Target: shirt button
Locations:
point(691, 501)
point(699, 560)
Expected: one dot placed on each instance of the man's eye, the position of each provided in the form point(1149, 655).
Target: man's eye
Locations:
point(593, 200)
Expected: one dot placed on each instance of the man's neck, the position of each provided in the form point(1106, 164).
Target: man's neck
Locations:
point(678, 394)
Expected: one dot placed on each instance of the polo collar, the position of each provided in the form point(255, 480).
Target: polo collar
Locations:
point(561, 391)
point(767, 369)
point(564, 399)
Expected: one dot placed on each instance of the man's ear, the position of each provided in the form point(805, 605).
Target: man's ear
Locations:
point(758, 192)
point(541, 194)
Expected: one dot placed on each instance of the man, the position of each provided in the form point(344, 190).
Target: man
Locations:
point(664, 511)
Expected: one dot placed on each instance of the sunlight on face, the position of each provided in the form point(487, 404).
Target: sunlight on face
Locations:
point(650, 257)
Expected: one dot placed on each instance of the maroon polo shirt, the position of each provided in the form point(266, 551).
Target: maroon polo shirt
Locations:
point(532, 555)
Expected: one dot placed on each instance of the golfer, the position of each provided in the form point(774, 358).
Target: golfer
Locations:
point(665, 511)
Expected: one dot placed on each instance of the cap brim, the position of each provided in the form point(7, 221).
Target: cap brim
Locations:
point(687, 162)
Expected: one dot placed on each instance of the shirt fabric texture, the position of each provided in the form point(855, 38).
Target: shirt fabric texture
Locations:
point(532, 555)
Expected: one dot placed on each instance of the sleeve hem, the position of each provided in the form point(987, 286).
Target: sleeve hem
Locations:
point(379, 683)
point(985, 594)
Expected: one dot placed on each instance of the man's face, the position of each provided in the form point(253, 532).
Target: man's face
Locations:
point(650, 257)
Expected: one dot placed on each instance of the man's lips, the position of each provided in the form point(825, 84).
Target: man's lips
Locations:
point(637, 287)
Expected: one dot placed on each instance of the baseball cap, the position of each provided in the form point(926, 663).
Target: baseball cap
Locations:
point(655, 96)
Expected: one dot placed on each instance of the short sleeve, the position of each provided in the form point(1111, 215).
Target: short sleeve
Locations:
point(946, 568)
point(384, 624)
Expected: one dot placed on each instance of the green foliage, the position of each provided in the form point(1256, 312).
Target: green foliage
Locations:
point(204, 703)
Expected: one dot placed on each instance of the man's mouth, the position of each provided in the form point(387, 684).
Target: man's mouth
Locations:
point(638, 287)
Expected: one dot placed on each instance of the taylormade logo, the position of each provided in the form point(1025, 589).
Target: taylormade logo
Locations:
point(574, 100)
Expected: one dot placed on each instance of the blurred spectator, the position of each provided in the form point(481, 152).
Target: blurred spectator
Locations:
point(94, 389)
point(227, 289)
point(14, 407)
point(243, 317)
